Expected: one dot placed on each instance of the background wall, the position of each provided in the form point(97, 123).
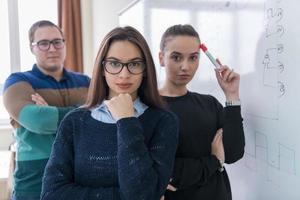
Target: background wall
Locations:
point(6, 138)
point(99, 17)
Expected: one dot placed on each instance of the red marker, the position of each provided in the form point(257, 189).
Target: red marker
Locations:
point(211, 58)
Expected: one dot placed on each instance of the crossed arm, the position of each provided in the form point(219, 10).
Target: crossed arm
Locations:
point(32, 112)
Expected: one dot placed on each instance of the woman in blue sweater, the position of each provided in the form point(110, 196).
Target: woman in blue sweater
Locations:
point(122, 143)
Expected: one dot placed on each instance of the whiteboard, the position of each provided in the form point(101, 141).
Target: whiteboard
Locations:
point(260, 39)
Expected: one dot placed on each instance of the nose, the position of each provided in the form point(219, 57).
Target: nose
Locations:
point(124, 72)
point(52, 48)
point(185, 65)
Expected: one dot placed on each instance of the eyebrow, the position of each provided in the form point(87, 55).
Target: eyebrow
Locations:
point(175, 52)
point(133, 59)
point(194, 53)
point(43, 40)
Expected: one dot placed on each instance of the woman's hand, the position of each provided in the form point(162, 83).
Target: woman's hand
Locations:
point(38, 100)
point(217, 148)
point(229, 81)
point(120, 106)
point(171, 188)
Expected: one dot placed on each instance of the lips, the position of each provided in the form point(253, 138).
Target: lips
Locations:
point(53, 57)
point(124, 85)
point(184, 76)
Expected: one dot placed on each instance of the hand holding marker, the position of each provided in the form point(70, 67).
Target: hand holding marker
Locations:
point(214, 61)
point(228, 77)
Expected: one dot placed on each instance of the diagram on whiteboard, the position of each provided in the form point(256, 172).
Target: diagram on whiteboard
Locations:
point(273, 67)
point(270, 68)
point(262, 153)
point(267, 153)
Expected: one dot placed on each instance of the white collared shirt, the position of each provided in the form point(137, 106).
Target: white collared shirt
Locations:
point(101, 112)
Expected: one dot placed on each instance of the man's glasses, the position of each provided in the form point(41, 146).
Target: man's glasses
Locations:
point(44, 45)
point(115, 67)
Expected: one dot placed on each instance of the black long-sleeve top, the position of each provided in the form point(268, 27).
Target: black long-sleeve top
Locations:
point(196, 173)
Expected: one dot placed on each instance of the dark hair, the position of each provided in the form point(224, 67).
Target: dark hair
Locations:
point(178, 30)
point(147, 92)
point(39, 24)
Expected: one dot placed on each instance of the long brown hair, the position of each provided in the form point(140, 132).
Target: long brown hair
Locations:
point(147, 92)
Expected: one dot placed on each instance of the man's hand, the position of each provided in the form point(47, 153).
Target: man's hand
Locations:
point(38, 100)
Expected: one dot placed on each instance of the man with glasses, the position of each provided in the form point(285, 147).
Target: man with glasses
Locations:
point(37, 100)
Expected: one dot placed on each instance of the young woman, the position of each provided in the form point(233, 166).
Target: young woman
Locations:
point(122, 144)
point(209, 135)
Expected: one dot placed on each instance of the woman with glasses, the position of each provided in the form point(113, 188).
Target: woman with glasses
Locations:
point(121, 144)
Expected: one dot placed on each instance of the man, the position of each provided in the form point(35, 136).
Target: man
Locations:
point(37, 100)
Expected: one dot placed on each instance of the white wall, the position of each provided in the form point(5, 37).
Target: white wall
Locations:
point(87, 36)
point(98, 17)
point(6, 135)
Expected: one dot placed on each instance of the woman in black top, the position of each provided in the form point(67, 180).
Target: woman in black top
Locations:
point(210, 135)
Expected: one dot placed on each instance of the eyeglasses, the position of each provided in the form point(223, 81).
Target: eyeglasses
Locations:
point(115, 67)
point(44, 45)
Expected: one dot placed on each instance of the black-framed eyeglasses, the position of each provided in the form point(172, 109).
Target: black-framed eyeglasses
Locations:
point(115, 67)
point(44, 45)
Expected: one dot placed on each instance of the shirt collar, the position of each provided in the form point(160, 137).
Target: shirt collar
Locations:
point(138, 105)
point(39, 73)
point(101, 112)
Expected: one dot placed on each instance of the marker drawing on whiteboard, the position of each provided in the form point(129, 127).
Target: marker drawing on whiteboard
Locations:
point(211, 58)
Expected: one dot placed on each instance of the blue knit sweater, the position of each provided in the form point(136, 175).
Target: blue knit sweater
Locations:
point(132, 159)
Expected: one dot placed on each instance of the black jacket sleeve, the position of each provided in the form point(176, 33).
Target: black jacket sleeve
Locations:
point(233, 133)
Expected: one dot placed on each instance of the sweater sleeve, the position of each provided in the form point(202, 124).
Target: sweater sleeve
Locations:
point(37, 119)
point(42, 119)
point(233, 133)
point(145, 170)
point(58, 180)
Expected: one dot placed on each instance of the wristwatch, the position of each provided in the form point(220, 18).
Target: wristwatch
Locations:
point(221, 167)
point(233, 103)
